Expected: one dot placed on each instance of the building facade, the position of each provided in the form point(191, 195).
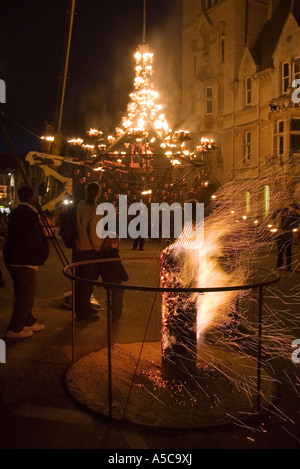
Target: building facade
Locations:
point(241, 63)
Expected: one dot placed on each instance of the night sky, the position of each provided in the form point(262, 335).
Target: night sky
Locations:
point(101, 68)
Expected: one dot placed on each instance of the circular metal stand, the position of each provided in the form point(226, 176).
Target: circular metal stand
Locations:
point(221, 392)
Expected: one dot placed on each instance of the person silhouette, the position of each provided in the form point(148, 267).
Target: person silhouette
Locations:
point(289, 220)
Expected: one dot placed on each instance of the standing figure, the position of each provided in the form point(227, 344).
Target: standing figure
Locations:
point(87, 246)
point(113, 272)
point(290, 219)
point(25, 249)
point(138, 243)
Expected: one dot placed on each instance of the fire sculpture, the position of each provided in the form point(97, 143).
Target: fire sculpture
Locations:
point(179, 311)
point(208, 261)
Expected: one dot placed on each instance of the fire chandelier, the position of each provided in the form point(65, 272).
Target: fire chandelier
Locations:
point(144, 134)
point(144, 125)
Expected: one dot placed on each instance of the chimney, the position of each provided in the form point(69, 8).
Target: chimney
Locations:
point(273, 4)
point(270, 9)
point(292, 6)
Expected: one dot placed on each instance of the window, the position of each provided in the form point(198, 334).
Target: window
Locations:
point(295, 125)
point(295, 137)
point(285, 77)
point(248, 90)
point(209, 100)
point(247, 146)
point(267, 199)
point(296, 69)
point(248, 202)
point(290, 72)
point(279, 139)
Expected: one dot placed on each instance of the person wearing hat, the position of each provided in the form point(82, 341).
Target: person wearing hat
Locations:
point(290, 219)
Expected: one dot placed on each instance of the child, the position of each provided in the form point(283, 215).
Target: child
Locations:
point(113, 272)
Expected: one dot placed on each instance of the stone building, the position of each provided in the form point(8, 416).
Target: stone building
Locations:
point(240, 62)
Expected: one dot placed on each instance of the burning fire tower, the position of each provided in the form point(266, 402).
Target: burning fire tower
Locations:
point(144, 145)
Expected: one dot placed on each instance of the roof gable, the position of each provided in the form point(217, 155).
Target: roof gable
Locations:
point(288, 39)
point(266, 43)
point(248, 63)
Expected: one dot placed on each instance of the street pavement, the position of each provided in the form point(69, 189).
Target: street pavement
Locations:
point(48, 418)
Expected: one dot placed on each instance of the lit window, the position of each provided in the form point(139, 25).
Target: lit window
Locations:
point(248, 90)
point(285, 76)
point(248, 202)
point(267, 199)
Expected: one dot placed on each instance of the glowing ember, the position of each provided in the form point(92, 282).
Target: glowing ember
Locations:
point(179, 313)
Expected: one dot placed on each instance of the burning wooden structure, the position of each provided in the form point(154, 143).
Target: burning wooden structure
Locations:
point(179, 321)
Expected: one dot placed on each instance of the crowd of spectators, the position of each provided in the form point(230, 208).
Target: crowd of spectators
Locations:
point(162, 190)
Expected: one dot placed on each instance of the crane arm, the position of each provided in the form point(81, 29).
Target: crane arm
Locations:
point(43, 159)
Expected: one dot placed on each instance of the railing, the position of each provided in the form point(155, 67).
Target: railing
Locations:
point(69, 271)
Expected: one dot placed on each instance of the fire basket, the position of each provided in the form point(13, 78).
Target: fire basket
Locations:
point(174, 383)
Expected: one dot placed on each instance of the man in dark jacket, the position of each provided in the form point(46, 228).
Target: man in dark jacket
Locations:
point(113, 272)
point(26, 248)
point(289, 220)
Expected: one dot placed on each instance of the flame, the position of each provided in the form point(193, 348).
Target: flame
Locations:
point(49, 138)
point(88, 147)
point(201, 268)
point(76, 141)
point(143, 115)
point(94, 133)
point(143, 106)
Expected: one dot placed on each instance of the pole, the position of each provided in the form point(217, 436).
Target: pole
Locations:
point(260, 314)
point(144, 23)
point(65, 66)
point(73, 316)
point(109, 352)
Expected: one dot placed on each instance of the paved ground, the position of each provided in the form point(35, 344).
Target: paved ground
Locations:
point(48, 418)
